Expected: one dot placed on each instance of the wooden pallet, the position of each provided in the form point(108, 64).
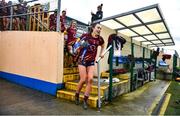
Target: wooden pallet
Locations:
point(34, 24)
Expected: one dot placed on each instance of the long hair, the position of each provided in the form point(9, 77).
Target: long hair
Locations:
point(73, 21)
point(90, 30)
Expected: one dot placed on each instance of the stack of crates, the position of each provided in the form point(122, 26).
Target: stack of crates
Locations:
point(40, 21)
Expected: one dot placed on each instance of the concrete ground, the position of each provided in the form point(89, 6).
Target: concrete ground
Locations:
point(19, 100)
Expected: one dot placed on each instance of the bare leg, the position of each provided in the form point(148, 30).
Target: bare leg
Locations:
point(83, 76)
point(7, 23)
point(18, 23)
point(23, 24)
point(90, 73)
point(4, 23)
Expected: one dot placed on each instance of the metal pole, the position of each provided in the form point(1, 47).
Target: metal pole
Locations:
point(155, 70)
point(110, 74)
point(99, 96)
point(143, 56)
point(104, 53)
point(11, 18)
point(98, 71)
point(174, 66)
point(27, 21)
point(58, 16)
point(132, 66)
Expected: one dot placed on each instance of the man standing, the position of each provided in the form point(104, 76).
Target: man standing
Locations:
point(98, 15)
point(52, 20)
point(63, 21)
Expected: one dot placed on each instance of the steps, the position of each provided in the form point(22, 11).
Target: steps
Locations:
point(73, 70)
point(70, 89)
point(70, 74)
point(70, 95)
point(73, 86)
point(71, 79)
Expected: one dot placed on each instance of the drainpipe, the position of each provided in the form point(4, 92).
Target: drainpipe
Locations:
point(58, 16)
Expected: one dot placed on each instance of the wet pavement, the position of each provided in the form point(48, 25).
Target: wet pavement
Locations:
point(19, 100)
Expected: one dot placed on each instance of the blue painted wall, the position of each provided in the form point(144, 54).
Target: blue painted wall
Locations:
point(44, 86)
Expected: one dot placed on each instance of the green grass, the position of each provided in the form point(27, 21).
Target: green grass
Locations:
point(173, 108)
point(178, 68)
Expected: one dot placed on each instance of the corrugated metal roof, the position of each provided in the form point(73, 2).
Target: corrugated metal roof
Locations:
point(146, 25)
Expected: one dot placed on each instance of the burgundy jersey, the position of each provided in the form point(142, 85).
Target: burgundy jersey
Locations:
point(52, 22)
point(63, 21)
point(71, 33)
point(93, 44)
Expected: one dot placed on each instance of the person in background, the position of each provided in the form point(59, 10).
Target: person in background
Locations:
point(63, 21)
point(4, 12)
point(23, 18)
point(52, 21)
point(98, 15)
point(8, 14)
point(16, 20)
point(71, 39)
point(71, 35)
point(86, 61)
point(1, 19)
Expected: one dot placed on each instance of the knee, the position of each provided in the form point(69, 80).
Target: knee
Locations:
point(82, 81)
point(90, 80)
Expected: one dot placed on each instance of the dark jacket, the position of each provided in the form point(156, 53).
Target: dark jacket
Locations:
point(118, 40)
point(97, 16)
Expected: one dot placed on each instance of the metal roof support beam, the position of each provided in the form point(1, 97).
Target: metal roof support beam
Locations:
point(151, 34)
point(146, 26)
point(158, 39)
point(160, 44)
point(148, 23)
point(131, 30)
point(159, 11)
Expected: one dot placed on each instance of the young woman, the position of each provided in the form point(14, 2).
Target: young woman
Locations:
point(71, 35)
point(71, 39)
point(86, 61)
